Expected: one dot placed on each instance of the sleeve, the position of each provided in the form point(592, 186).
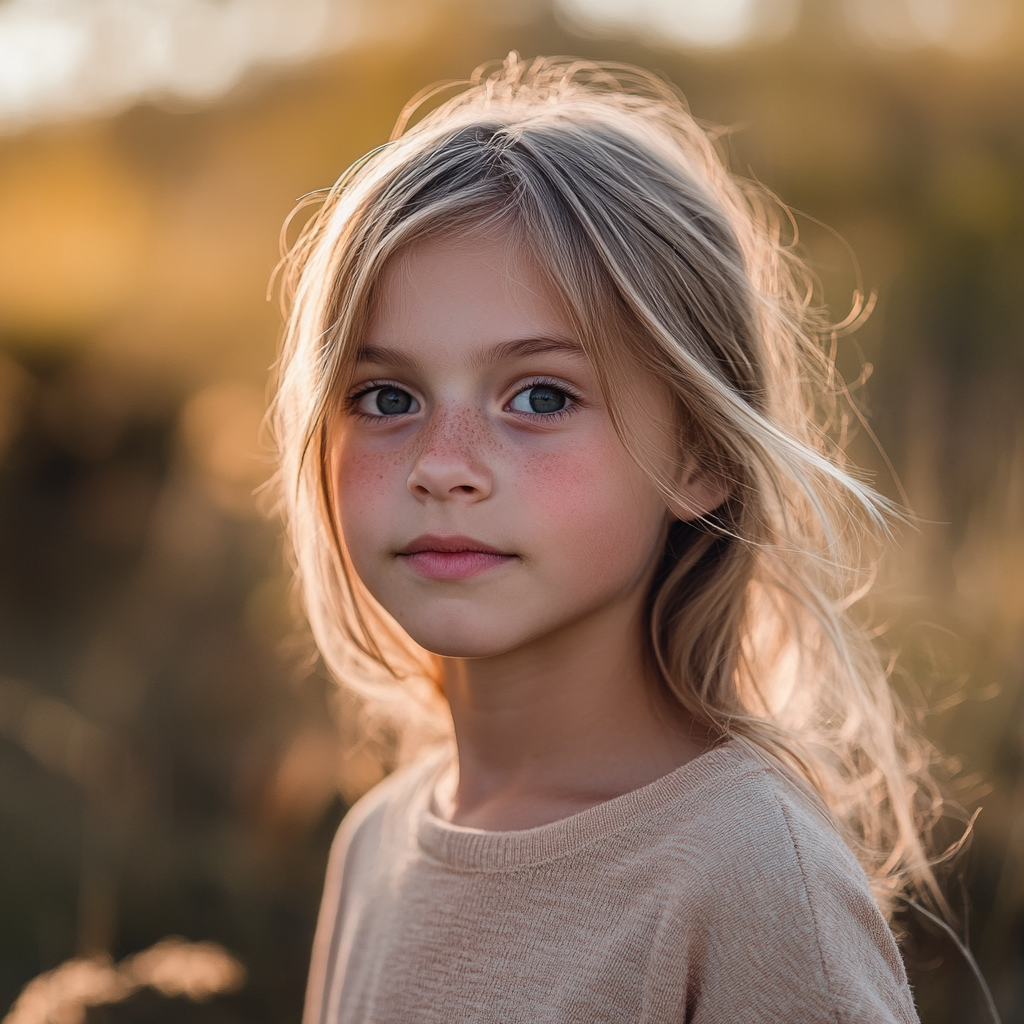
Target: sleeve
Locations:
point(792, 935)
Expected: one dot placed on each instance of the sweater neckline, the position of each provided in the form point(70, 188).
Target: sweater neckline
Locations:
point(473, 849)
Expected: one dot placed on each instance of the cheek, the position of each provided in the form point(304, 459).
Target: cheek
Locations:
point(361, 475)
point(365, 485)
point(594, 505)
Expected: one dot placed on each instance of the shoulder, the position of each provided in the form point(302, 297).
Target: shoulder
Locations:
point(756, 818)
point(376, 823)
point(780, 896)
point(355, 851)
point(384, 807)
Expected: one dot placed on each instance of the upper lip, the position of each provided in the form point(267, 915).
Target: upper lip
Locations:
point(450, 544)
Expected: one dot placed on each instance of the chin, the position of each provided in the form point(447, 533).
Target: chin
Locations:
point(460, 646)
point(463, 639)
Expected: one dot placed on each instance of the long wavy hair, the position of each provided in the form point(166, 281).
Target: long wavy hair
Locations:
point(665, 262)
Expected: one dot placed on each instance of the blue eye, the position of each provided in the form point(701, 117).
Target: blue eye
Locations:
point(386, 401)
point(539, 399)
point(391, 401)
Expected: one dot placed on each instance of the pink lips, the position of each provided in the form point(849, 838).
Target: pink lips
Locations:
point(451, 558)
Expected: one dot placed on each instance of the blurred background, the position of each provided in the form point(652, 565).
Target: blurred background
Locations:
point(169, 747)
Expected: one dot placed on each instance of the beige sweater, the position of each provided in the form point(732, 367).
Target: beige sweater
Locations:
point(714, 895)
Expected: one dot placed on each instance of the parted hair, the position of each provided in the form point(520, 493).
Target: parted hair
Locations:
point(672, 270)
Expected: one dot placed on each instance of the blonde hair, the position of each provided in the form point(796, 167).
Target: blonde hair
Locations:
point(667, 263)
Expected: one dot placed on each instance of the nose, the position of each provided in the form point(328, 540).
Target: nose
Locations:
point(449, 465)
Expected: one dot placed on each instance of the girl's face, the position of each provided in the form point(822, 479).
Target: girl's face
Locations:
point(483, 494)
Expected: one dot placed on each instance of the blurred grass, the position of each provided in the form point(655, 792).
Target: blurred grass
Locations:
point(167, 743)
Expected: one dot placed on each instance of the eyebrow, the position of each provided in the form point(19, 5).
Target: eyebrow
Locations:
point(533, 347)
point(506, 350)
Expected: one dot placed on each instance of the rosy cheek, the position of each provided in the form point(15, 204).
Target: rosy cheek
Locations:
point(366, 483)
point(361, 474)
point(593, 497)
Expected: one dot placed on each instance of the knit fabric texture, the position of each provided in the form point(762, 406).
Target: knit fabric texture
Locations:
point(716, 895)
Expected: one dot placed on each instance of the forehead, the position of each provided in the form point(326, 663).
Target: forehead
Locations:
point(462, 294)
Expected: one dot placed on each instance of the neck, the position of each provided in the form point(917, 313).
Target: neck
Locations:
point(561, 724)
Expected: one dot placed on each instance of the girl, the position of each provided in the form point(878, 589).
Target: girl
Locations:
point(554, 433)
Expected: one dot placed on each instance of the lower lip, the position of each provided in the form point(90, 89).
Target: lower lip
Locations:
point(454, 565)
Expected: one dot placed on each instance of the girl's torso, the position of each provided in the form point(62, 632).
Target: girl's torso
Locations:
point(715, 894)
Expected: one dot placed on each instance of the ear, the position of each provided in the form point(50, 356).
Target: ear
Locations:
point(701, 490)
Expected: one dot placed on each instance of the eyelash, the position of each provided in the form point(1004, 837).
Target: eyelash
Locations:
point(555, 385)
point(352, 401)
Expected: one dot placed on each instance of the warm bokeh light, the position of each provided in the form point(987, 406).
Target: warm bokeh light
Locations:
point(83, 57)
point(963, 26)
point(696, 23)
